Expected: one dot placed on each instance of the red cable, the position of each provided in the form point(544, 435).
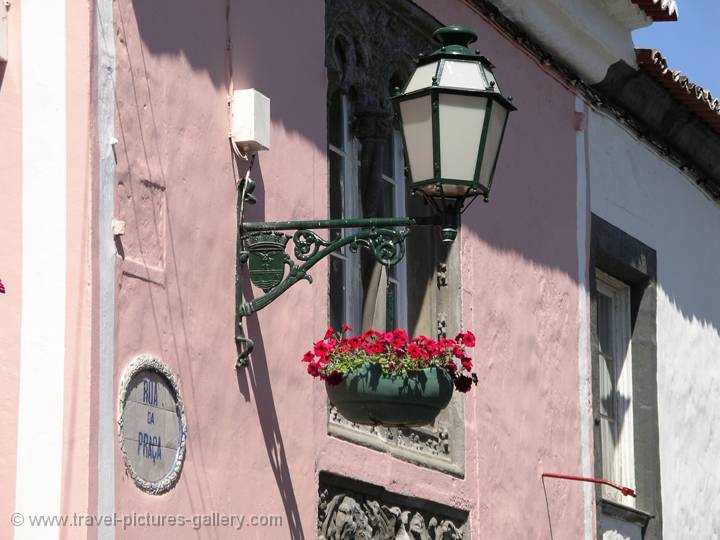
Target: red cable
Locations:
point(624, 490)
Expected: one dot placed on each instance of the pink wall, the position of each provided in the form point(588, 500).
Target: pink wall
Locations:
point(257, 439)
point(520, 292)
point(10, 262)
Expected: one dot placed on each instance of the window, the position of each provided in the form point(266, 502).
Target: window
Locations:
point(343, 162)
point(367, 179)
point(623, 274)
point(615, 384)
point(363, 301)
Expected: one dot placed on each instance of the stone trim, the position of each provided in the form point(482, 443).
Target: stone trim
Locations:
point(146, 362)
point(617, 253)
point(370, 47)
point(349, 508)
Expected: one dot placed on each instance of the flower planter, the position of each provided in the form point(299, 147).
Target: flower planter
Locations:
point(368, 396)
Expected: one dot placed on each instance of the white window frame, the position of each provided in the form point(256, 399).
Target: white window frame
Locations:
point(397, 180)
point(351, 209)
point(618, 460)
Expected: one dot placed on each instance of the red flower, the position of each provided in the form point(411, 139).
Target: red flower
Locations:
point(313, 369)
point(330, 331)
point(321, 348)
point(459, 352)
point(373, 348)
point(334, 378)
point(346, 328)
point(446, 343)
point(414, 351)
point(369, 334)
point(463, 384)
point(467, 364)
point(399, 338)
point(308, 357)
point(466, 338)
point(323, 361)
point(354, 343)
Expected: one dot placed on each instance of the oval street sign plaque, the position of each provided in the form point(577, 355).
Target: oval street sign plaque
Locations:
point(152, 424)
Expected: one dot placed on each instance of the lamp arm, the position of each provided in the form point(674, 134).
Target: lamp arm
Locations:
point(261, 246)
point(267, 264)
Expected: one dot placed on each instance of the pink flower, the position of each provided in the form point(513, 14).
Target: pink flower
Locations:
point(308, 357)
point(334, 378)
point(330, 331)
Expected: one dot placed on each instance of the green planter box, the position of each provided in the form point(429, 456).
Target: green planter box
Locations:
point(368, 396)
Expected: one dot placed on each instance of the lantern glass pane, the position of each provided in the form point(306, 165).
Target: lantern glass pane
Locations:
point(417, 128)
point(422, 78)
point(496, 127)
point(459, 74)
point(461, 122)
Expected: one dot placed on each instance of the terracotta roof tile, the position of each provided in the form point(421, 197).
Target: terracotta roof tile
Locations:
point(694, 97)
point(659, 10)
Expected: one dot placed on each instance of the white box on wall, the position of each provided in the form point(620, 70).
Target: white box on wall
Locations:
point(250, 128)
point(3, 31)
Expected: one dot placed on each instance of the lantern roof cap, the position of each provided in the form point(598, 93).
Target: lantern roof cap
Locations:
point(455, 41)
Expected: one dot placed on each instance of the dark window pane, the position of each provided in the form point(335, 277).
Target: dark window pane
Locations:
point(337, 291)
point(387, 208)
point(391, 305)
point(335, 121)
point(336, 182)
point(388, 157)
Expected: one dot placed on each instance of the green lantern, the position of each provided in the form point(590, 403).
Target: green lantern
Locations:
point(453, 119)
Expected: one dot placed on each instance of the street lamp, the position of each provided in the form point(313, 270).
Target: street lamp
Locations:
point(453, 119)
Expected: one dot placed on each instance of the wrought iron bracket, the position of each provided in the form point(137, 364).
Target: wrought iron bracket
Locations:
point(262, 247)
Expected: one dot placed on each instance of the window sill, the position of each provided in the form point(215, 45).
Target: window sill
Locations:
point(625, 513)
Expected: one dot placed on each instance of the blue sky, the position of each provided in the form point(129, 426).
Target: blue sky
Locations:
point(692, 44)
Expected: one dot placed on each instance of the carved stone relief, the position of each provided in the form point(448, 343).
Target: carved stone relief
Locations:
point(351, 513)
point(370, 49)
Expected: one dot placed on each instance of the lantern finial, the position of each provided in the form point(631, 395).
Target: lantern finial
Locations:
point(457, 36)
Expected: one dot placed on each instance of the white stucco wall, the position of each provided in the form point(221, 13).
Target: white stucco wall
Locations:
point(640, 192)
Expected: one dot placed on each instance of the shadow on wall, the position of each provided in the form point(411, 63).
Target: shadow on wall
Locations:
point(222, 37)
point(194, 30)
point(255, 380)
point(256, 377)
